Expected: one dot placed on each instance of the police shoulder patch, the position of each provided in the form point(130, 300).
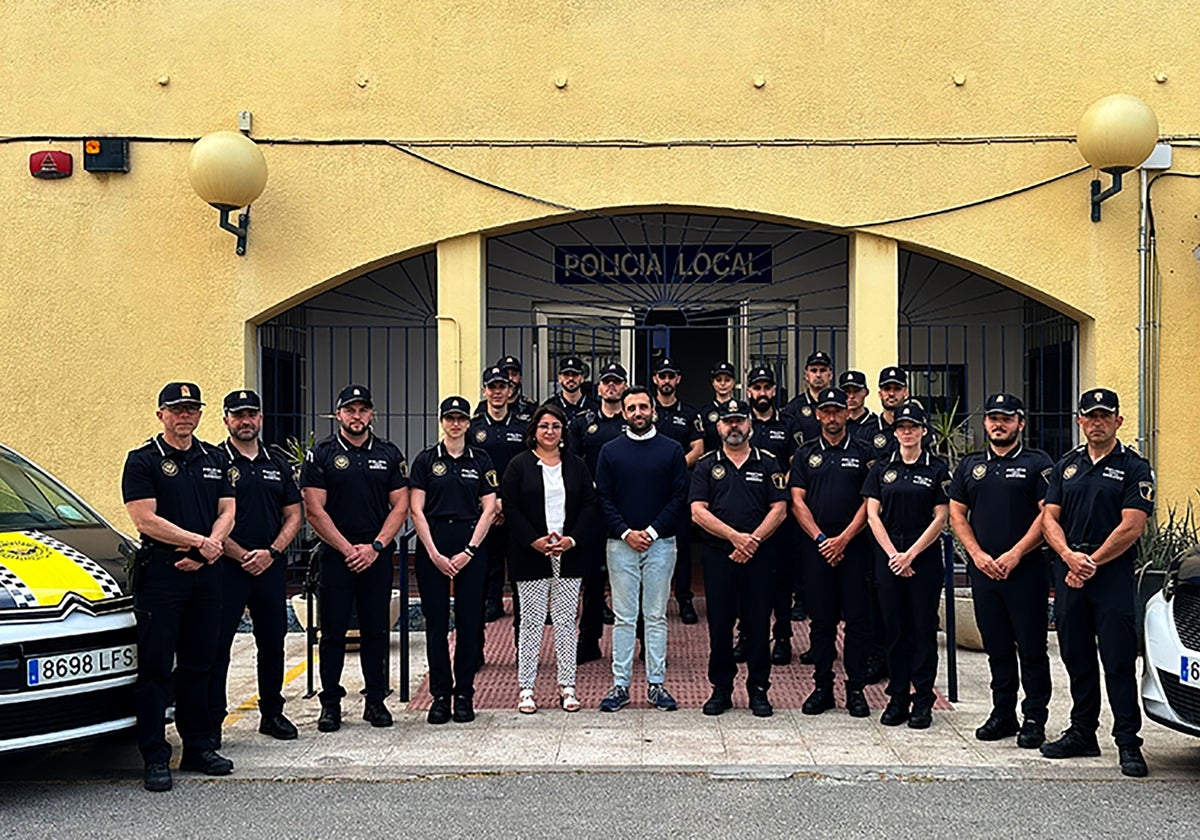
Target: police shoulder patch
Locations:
point(234, 474)
point(490, 477)
point(1046, 473)
point(1146, 490)
point(402, 468)
point(779, 480)
point(946, 486)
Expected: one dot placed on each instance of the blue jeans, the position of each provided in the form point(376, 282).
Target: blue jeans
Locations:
point(651, 573)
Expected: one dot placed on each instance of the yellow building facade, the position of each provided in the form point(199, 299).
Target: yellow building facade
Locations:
point(397, 129)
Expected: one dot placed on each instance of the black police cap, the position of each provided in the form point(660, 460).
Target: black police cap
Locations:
point(1099, 399)
point(666, 366)
point(853, 378)
point(832, 398)
point(179, 393)
point(734, 409)
point(570, 364)
point(911, 412)
point(353, 394)
point(760, 374)
point(454, 405)
point(612, 370)
point(720, 368)
point(509, 363)
point(893, 376)
point(495, 374)
point(242, 400)
point(818, 357)
point(1004, 404)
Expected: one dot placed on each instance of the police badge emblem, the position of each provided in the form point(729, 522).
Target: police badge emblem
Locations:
point(1070, 471)
point(806, 410)
point(880, 440)
point(814, 460)
point(712, 417)
point(438, 469)
point(170, 468)
point(592, 429)
point(978, 471)
point(890, 476)
point(341, 462)
point(481, 436)
point(718, 471)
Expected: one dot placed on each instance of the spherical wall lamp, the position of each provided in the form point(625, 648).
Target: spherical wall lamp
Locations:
point(228, 170)
point(1116, 134)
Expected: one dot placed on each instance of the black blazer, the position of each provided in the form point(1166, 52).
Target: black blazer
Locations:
point(524, 498)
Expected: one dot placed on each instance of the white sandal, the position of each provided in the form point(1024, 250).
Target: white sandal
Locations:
point(526, 706)
point(570, 703)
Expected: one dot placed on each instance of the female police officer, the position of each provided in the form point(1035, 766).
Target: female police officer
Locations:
point(907, 509)
point(453, 503)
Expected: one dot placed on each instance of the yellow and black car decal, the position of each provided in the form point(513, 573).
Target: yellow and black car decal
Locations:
point(37, 570)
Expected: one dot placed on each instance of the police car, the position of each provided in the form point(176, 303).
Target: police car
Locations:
point(1171, 660)
point(68, 642)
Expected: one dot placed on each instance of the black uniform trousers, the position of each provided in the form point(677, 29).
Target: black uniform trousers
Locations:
point(370, 592)
point(788, 576)
point(450, 536)
point(264, 594)
point(1011, 615)
point(496, 543)
point(1101, 610)
point(839, 593)
point(178, 620)
point(683, 562)
point(591, 617)
point(910, 619)
point(734, 590)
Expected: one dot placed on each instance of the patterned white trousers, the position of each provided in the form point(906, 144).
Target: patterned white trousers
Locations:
point(561, 597)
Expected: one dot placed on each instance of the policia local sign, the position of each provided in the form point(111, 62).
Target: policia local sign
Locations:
point(673, 264)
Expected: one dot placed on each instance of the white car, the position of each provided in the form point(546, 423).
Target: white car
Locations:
point(68, 640)
point(1171, 664)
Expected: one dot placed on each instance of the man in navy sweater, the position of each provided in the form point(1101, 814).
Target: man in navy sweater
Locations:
point(642, 483)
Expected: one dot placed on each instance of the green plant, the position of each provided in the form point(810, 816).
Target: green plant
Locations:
point(949, 439)
point(296, 451)
point(1165, 539)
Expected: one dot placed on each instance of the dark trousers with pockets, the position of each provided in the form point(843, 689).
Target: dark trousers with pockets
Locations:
point(1011, 615)
point(264, 595)
point(496, 543)
point(910, 617)
point(839, 593)
point(734, 590)
point(1102, 610)
point(450, 537)
point(683, 562)
point(371, 592)
point(178, 621)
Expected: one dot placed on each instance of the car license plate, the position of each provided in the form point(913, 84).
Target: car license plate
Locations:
point(84, 664)
point(1189, 671)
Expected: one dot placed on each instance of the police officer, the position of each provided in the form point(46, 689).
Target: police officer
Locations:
point(723, 383)
point(570, 398)
point(825, 482)
point(1100, 496)
point(499, 431)
point(738, 497)
point(355, 490)
point(907, 509)
point(454, 491)
point(521, 406)
point(680, 422)
point(254, 569)
point(802, 409)
point(178, 495)
point(996, 513)
point(878, 430)
point(854, 384)
point(587, 433)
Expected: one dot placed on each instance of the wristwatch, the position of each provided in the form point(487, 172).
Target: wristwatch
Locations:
point(275, 553)
point(470, 550)
point(377, 546)
point(821, 538)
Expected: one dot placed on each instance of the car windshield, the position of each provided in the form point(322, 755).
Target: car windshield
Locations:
point(31, 499)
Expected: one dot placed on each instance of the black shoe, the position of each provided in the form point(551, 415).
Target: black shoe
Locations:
point(876, 670)
point(997, 728)
point(806, 658)
point(920, 717)
point(217, 740)
point(278, 727)
point(739, 650)
point(1133, 763)
point(760, 706)
point(158, 777)
point(1072, 744)
point(587, 652)
point(463, 711)
point(1031, 736)
point(208, 762)
point(856, 703)
point(721, 699)
point(821, 700)
point(494, 611)
point(609, 617)
point(895, 714)
point(687, 612)
point(781, 654)
point(376, 714)
point(439, 712)
point(798, 612)
point(330, 719)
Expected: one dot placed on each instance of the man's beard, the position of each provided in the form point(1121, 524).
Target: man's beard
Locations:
point(734, 437)
point(666, 389)
point(763, 404)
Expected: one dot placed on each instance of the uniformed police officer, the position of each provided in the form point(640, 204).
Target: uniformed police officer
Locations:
point(854, 384)
point(996, 512)
point(878, 431)
point(681, 422)
point(1100, 496)
point(587, 433)
point(355, 489)
point(802, 408)
point(738, 497)
point(499, 431)
point(453, 502)
point(570, 398)
point(723, 383)
point(254, 569)
point(825, 482)
point(907, 509)
point(521, 406)
point(178, 495)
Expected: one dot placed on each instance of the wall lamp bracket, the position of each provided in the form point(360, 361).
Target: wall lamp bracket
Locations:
point(243, 226)
point(1099, 195)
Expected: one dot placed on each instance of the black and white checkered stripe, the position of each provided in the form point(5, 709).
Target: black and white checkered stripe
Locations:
point(107, 583)
point(16, 588)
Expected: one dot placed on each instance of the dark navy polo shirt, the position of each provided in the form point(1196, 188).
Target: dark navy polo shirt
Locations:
point(803, 412)
point(453, 486)
point(776, 435)
point(680, 422)
point(521, 409)
point(1092, 496)
point(587, 403)
point(1002, 494)
point(738, 496)
point(186, 485)
point(879, 435)
point(709, 413)
point(831, 477)
point(357, 480)
point(502, 440)
point(852, 425)
point(589, 432)
point(263, 487)
point(907, 494)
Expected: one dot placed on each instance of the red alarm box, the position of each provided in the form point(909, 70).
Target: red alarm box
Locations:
point(50, 164)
